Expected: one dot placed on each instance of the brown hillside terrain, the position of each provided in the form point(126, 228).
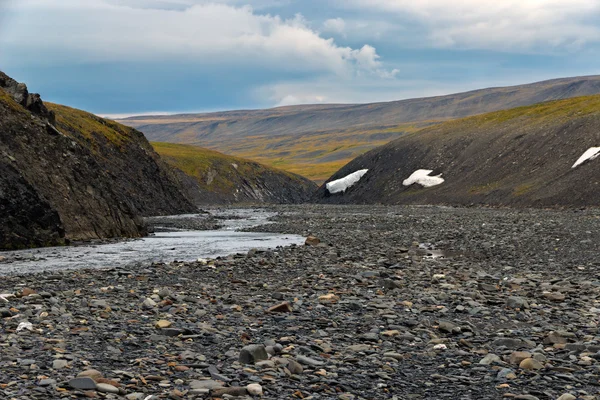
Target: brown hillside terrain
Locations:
point(317, 140)
point(518, 157)
point(215, 178)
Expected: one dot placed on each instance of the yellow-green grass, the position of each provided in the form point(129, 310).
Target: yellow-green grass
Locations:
point(316, 156)
point(89, 125)
point(6, 99)
point(198, 163)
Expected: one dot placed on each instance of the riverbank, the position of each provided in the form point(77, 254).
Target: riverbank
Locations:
point(395, 302)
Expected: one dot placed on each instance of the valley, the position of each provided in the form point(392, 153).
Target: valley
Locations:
point(317, 140)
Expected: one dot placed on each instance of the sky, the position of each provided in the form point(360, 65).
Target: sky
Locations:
point(128, 57)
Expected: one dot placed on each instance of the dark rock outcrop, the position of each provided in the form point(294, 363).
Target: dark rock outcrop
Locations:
point(69, 175)
point(520, 157)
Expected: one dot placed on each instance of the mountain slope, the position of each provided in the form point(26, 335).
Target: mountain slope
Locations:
point(317, 140)
point(519, 157)
point(218, 178)
point(67, 174)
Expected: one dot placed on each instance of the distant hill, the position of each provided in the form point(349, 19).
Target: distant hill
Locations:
point(215, 178)
point(518, 157)
point(317, 140)
point(66, 174)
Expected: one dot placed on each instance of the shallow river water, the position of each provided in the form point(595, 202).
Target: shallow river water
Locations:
point(182, 245)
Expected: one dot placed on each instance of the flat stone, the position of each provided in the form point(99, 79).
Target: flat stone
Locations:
point(206, 384)
point(309, 361)
point(59, 364)
point(106, 388)
point(284, 307)
point(489, 359)
point(234, 391)
point(83, 383)
point(163, 323)
point(90, 373)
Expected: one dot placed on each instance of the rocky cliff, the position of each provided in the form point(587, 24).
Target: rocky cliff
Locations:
point(68, 175)
point(518, 157)
point(216, 178)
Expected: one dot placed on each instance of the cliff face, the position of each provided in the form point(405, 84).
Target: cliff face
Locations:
point(215, 178)
point(68, 174)
point(520, 157)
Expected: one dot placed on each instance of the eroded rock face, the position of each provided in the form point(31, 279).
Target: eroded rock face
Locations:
point(31, 101)
point(71, 175)
point(27, 220)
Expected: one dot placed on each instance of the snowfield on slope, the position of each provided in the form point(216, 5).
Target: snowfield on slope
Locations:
point(422, 178)
point(341, 185)
point(589, 155)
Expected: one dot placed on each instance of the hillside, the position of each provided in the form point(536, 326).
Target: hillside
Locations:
point(222, 179)
point(317, 140)
point(518, 157)
point(67, 174)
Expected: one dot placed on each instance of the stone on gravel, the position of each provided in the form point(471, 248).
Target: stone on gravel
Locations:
point(90, 373)
point(489, 359)
point(567, 396)
point(59, 364)
point(284, 307)
point(517, 302)
point(106, 388)
point(253, 353)
point(531, 364)
point(254, 389)
point(163, 323)
point(312, 241)
point(83, 383)
point(517, 357)
point(206, 384)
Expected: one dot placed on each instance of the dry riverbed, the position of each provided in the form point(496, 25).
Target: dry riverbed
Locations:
point(394, 303)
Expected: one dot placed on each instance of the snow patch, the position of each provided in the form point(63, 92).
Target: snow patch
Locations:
point(589, 155)
point(422, 177)
point(341, 185)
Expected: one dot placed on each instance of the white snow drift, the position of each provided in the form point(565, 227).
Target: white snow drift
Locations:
point(589, 155)
point(422, 177)
point(341, 185)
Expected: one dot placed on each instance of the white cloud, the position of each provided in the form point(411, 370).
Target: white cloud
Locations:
point(335, 25)
point(498, 25)
point(209, 34)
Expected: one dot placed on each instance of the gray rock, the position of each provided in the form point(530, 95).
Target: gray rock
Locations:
point(309, 361)
point(59, 364)
point(83, 384)
point(253, 353)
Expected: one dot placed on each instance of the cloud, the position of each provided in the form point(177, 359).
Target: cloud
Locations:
point(335, 25)
point(501, 25)
point(205, 33)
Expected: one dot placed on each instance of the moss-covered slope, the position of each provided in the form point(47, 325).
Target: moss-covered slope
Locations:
point(218, 178)
point(521, 157)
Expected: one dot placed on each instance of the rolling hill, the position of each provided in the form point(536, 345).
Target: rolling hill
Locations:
point(215, 178)
point(517, 157)
point(317, 140)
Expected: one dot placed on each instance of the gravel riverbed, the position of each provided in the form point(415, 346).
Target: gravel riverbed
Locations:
point(393, 303)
